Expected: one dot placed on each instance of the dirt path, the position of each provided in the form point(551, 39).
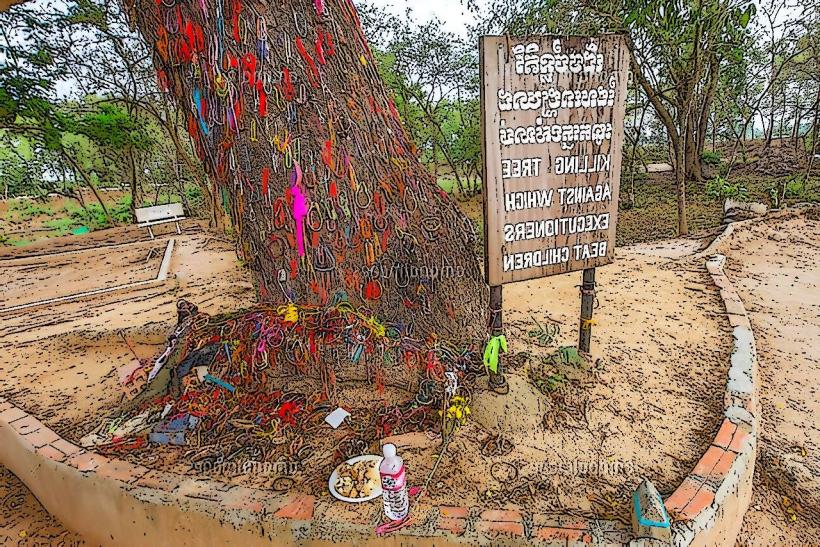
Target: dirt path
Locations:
point(775, 267)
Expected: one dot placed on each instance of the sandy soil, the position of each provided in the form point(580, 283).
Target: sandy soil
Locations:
point(64, 370)
point(641, 410)
point(769, 520)
point(63, 274)
point(24, 522)
point(779, 283)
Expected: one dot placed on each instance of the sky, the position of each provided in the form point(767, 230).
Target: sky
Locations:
point(453, 13)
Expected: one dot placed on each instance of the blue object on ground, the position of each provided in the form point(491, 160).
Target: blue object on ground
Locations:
point(173, 431)
point(220, 383)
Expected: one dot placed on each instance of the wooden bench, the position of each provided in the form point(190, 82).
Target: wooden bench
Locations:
point(159, 214)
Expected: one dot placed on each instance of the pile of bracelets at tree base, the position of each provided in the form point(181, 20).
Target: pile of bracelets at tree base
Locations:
point(256, 386)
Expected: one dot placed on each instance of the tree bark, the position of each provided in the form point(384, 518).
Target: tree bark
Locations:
point(133, 183)
point(290, 117)
point(693, 143)
point(680, 184)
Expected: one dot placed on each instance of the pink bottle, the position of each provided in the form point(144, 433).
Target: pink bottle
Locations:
point(394, 484)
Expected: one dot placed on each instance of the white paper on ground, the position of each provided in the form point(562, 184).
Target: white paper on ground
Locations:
point(201, 372)
point(335, 418)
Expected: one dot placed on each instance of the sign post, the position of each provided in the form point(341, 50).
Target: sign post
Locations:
point(552, 113)
point(587, 305)
point(497, 382)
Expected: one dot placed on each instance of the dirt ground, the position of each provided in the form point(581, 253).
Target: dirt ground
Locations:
point(779, 283)
point(24, 522)
point(26, 281)
point(64, 370)
point(639, 410)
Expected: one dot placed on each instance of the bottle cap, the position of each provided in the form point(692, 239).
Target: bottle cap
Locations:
point(389, 450)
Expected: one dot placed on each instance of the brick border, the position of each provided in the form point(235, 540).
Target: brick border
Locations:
point(111, 501)
point(708, 507)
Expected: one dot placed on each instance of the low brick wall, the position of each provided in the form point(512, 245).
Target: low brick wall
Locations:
point(708, 507)
point(113, 502)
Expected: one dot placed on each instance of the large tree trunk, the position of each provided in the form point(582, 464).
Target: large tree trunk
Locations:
point(290, 117)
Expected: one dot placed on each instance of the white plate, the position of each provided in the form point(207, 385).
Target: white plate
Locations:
point(377, 492)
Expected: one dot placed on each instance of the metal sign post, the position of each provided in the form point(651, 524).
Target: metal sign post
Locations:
point(587, 305)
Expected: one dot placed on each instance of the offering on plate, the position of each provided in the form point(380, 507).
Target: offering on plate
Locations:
point(358, 480)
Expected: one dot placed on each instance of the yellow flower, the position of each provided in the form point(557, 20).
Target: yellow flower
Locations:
point(289, 312)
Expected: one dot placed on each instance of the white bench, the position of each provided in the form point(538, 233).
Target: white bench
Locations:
point(159, 214)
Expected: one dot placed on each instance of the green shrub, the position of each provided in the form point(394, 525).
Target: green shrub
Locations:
point(711, 158)
point(26, 209)
point(795, 188)
point(92, 216)
point(196, 200)
point(720, 189)
point(121, 212)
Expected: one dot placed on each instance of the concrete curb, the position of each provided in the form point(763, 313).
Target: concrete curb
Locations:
point(708, 506)
point(113, 502)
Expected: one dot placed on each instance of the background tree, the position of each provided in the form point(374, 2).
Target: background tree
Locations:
point(678, 51)
point(433, 76)
point(74, 60)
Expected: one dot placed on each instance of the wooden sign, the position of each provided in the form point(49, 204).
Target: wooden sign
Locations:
point(552, 118)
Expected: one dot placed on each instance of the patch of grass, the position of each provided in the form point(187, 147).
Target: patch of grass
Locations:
point(70, 208)
point(770, 190)
point(61, 225)
point(447, 183)
point(94, 217)
point(26, 209)
point(655, 215)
